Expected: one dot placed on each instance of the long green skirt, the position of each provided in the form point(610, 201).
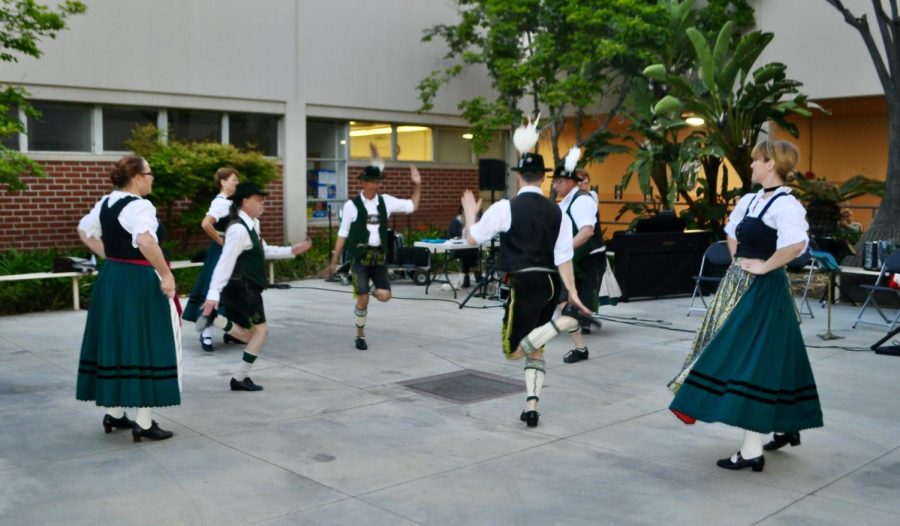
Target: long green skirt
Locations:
point(198, 295)
point(754, 373)
point(130, 353)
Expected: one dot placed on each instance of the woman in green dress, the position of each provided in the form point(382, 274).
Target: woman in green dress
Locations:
point(131, 350)
point(748, 367)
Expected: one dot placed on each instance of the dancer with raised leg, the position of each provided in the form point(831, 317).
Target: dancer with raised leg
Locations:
point(536, 253)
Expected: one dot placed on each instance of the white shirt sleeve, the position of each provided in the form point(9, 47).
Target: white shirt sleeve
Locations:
point(584, 211)
point(790, 221)
point(219, 208)
point(737, 215)
point(139, 217)
point(348, 216)
point(90, 224)
point(497, 218)
point(563, 250)
point(398, 206)
point(237, 240)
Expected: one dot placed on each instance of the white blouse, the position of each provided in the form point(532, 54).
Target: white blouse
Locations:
point(219, 207)
point(786, 215)
point(136, 218)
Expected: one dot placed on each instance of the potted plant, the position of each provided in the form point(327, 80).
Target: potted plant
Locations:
point(822, 198)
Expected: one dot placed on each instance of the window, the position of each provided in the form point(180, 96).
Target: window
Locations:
point(454, 145)
point(254, 131)
point(364, 133)
point(414, 143)
point(119, 123)
point(326, 168)
point(195, 125)
point(11, 140)
point(61, 127)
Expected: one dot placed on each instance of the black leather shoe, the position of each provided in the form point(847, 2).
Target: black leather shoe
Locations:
point(154, 433)
point(119, 423)
point(231, 339)
point(572, 312)
point(779, 440)
point(576, 355)
point(245, 385)
point(361, 343)
point(530, 418)
point(204, 321)
point(206, 344)
point(756, 464)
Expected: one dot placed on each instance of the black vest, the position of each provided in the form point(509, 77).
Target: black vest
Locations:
point(251, 264)
point(756, 240)
point(532, 233)
point(117, 240)
point(358, 237)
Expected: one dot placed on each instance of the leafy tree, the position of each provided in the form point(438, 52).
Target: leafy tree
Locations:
point(886, 223)
point(22, 24)
point(183, 172)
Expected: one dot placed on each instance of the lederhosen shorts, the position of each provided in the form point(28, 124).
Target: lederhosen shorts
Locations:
point(370, 266)
point(243, 302)
point(532, 300)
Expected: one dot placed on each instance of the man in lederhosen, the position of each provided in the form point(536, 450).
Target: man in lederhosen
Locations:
point(363, 232)
point(535, 242)
point(240, 278)
point(589, 260)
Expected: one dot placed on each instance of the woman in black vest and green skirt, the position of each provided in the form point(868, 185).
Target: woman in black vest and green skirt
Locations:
point(131, 351)
point(363, 232)
point(214, 224)
point(748, 367)
point(239, 280)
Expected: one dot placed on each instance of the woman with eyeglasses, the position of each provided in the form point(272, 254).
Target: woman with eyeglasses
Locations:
point(131, 350)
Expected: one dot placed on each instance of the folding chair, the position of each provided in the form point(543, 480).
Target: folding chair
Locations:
point(890, 266)
point(800, 263)
point(718, 255)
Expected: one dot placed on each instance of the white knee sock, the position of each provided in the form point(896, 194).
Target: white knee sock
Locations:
point(221, 322)
point(752, 447)
point(543, 334)
point(360, 317)
point(534, 379)
point(115, 412)
point(144, 417)
point(246, 364)
point(207, 333)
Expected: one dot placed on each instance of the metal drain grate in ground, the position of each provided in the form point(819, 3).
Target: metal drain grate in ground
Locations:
point(465, 387)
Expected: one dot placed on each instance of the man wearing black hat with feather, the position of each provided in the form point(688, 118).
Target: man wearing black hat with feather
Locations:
point(536, 253)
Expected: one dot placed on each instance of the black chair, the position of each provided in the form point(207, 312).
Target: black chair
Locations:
point(717, 255)
point(890, 266)
point(800, 263)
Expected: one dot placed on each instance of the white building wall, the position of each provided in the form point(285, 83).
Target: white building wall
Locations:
point(819, 48)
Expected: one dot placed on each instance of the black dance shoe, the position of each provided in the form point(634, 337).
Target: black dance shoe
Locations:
point(245, 385)
point(361, 343)
point(573, 312)
point(231, 339)
point(154, 433)
point(530, 418)
point(756, 464)
point(779, 440)
point(119, 423)
point(204, 321)
point(576, 355)
point(206, 344)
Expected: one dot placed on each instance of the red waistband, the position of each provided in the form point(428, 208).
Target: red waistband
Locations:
point(142, 262)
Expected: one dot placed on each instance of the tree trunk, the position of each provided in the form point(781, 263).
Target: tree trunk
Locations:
point(886, 223)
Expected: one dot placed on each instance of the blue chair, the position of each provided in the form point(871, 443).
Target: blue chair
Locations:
point(890, 266)
point(718, 255)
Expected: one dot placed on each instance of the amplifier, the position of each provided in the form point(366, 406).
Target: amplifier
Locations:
point(651, 265)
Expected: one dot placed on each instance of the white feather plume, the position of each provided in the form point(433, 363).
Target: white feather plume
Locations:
point(377, 161)
point(525, 137)
point(572, 159)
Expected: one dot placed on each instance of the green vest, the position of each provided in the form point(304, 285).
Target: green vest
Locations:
point(251, 264)
point(585, 249)
point(358, 238)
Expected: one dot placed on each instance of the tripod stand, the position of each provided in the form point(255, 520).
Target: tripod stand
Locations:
point(490, 276)
point(890, 350)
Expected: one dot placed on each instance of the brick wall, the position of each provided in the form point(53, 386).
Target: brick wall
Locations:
point(441, 190)
point(46, 215)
